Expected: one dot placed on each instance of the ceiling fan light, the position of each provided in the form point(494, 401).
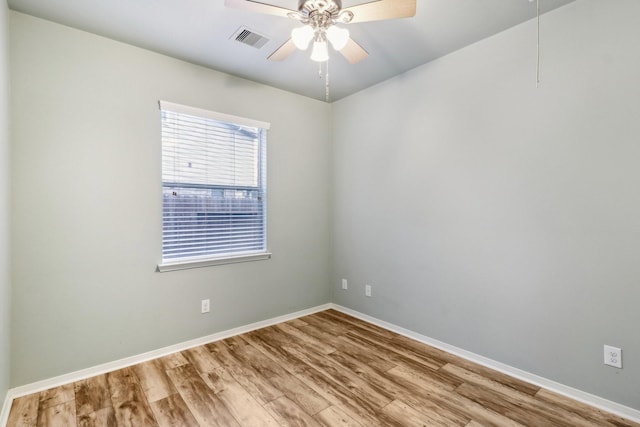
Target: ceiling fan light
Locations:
point(338, 37)
point(320, 51)
point(302, 36)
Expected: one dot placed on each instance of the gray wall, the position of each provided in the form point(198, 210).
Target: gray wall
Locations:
point(501, 218)
point(87, 203)
point(4, 206)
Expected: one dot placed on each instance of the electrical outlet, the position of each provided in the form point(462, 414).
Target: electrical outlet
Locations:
point(613, 356)
point(367, 290)
point(344, 284)
point(205, 306)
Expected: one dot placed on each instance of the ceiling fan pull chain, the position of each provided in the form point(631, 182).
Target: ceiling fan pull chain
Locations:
point(326, 84)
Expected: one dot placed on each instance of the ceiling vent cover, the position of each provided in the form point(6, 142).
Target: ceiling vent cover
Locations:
point(250, 37)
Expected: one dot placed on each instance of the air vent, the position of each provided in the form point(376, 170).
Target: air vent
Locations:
point(250, 37)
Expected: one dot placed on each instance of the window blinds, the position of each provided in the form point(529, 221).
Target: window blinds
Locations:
point(213, 184)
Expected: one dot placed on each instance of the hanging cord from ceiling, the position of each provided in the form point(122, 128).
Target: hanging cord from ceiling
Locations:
point(538, 44)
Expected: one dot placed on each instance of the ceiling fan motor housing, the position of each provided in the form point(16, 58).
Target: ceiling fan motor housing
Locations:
point(322, 13)
point(326, 6)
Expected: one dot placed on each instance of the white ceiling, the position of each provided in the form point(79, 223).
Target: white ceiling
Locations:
point(199, 31)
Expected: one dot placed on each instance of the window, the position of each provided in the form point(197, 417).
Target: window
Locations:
point(213, 188)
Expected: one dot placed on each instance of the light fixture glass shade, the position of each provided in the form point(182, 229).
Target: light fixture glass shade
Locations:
point(338, 37)
point(320, 51)
point(302, 36)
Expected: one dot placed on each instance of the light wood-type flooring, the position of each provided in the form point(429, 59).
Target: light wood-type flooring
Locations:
point(326, 369)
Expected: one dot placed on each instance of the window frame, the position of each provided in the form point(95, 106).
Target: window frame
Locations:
point(166, 265)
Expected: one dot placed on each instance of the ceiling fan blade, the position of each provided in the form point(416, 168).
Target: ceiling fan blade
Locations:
point(283, 51)
point(353, 52)
point(258, 7)
point(382, 9)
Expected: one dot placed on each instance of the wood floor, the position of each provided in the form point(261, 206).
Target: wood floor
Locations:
point(326, 369)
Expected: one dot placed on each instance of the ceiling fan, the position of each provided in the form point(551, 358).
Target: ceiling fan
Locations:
point(319, 19)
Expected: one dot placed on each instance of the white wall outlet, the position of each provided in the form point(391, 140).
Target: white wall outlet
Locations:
point(613, 356)
point(367, 290)
point(205, 306)
point(344, 284)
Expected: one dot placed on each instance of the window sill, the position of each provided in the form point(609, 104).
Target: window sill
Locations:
point(184, 265)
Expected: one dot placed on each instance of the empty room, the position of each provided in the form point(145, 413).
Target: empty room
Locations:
point(319, 213)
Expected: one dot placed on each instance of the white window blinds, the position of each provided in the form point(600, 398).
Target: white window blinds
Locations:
point(213, 184)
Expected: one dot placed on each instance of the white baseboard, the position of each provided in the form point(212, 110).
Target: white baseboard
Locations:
point(579, 395)
point(82, 374)
point(6, 407)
